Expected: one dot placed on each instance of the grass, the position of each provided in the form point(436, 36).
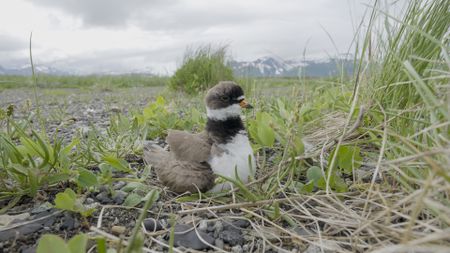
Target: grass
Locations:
point(201, 69)
point(93, 81)
point(355, 165)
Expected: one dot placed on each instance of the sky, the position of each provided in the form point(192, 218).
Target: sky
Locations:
point(87, 36)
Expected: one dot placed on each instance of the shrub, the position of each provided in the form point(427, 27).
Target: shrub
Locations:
point(201, 69)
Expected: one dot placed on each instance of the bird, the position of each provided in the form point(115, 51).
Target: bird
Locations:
point(195, 160)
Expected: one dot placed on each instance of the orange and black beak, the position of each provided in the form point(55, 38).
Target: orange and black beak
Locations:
point(245, 104)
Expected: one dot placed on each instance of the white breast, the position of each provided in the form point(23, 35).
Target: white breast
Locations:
point(236, 155)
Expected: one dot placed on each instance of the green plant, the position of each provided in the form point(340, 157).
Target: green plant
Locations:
point(201, 69)
point(33, 162)
point(157, 117)
point(55, 244)
point(69, 201)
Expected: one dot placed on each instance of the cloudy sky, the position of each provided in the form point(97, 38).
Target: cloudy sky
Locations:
point(116, 35)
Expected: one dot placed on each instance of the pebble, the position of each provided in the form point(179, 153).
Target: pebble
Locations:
point(328, 247)
point(219, 243)
point(151, 225)
point(119, 185)
point(241, 223)
point(187, 237)
point(20, 231)
point(118, 230)
point(119, 197)
point(41, 208)
point(301, 231)
point(103, 197)
point(237, 249)
point(115, 109)
point(29, 250)
point(218, 228)
point(89, 201)
point(68, 222)
point(232, 237)
point(203, 225)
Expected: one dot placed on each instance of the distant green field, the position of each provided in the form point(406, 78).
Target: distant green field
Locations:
point(101, 81)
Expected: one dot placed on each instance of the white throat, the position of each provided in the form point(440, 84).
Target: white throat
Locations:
point(236, 156)
point(231, 111)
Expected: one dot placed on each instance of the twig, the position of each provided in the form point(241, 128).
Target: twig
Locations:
point(239, 205)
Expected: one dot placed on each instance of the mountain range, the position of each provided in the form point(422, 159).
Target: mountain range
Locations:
point(261, 67)
point(274, 67)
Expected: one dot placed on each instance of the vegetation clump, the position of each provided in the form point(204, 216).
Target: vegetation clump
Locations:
point(202, 68)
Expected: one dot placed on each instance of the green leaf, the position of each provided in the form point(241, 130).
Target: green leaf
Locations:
point(86, 178)
point(71, 193)
point(78, 243)
point(101, 245)
point(309, 187)
point(349, 158)
point(299, 147)
point(266, 135)
point(314, 173)
point(52, 244)
point(154, 194)
point(132, 199)
point(339, 184)
point(131, 186)
point(66, 200)
point(117, 163)
point(57, 178)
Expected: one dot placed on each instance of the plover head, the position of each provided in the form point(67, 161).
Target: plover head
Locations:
point(225, 101)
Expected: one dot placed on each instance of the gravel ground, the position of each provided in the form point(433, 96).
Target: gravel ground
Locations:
point(67, 111)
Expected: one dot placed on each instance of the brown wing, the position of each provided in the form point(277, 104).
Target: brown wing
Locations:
point(185, 146)
point(183, 176)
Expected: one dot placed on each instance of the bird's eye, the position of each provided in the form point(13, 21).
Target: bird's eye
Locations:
point(225, 98)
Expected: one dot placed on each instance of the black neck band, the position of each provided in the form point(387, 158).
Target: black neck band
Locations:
point(223, 130)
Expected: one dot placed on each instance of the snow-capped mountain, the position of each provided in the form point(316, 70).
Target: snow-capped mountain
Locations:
point(273, 67)
point(26, 71)
point(261, 67)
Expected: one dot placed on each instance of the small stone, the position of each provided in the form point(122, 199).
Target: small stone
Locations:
point(219, 243)
point(241, 223)
point(232, 237)
point(152, 225)
point(218, 228)
point(115, 109)
point(89, 201)
point(20, 231)
point(118, 230)
point(119, 197)
point(49, 221)
point(29, 250)
point(210, 228)
point(103, 197)
point(6, 219)
point(301, 231)
point(68, 223)
point(237, 249)
point(203, 225)
point(328, 247)
point(42, 208)
point(119, 185)
point(186, 236)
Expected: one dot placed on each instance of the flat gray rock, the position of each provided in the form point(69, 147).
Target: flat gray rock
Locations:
point(187, 237)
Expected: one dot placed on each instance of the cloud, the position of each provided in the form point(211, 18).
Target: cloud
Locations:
point(103, 13)
point(133, 34)
point(11, 43)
